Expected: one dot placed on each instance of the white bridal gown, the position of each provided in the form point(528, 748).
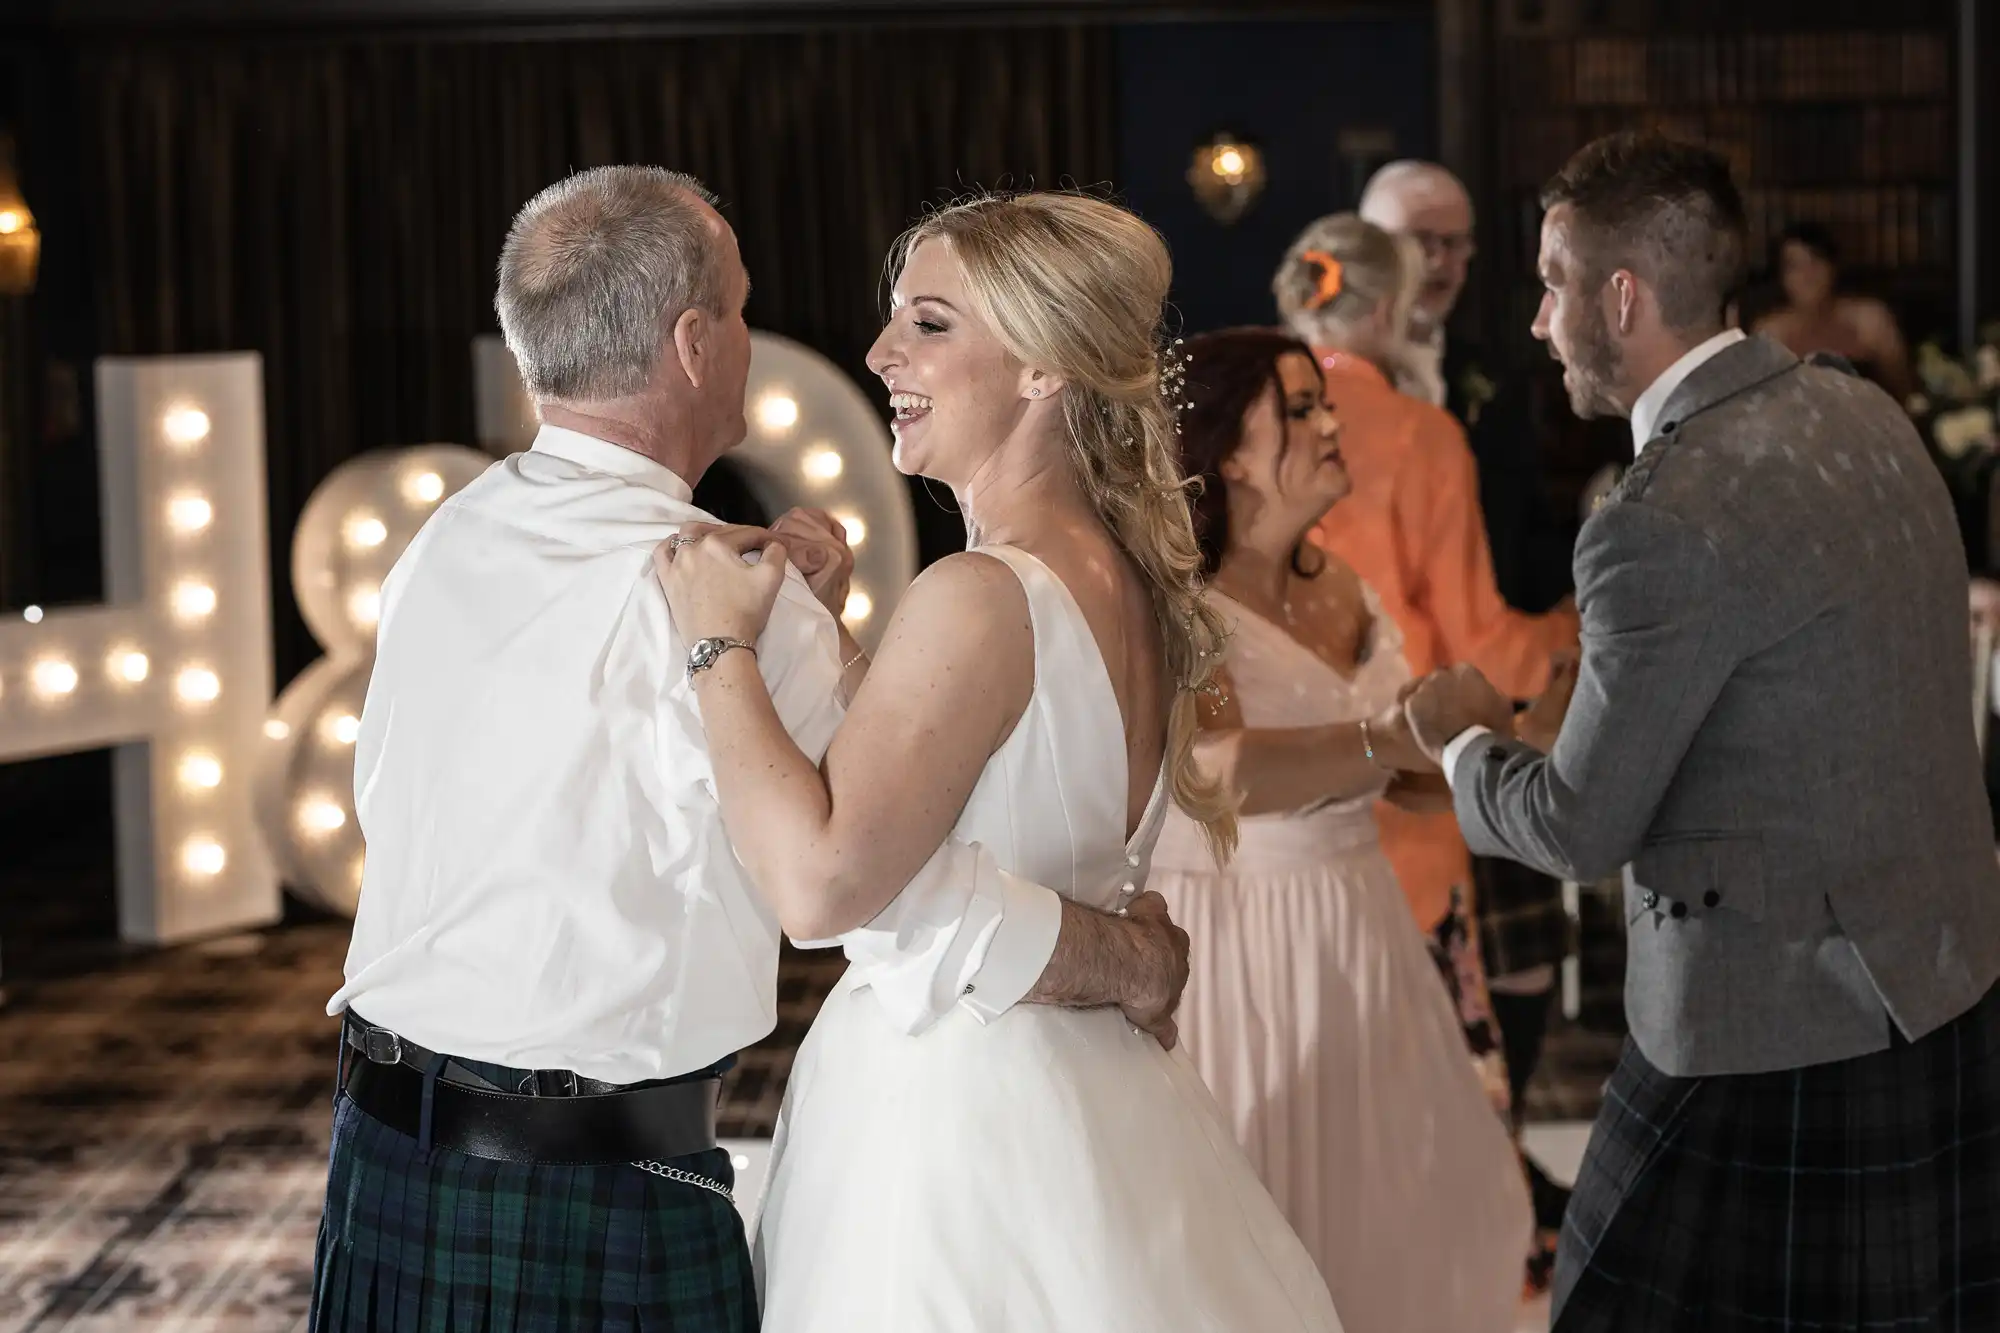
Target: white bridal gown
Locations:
point(1054, 1170)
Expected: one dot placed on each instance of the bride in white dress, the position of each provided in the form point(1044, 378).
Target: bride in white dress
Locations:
point(1052, 1169)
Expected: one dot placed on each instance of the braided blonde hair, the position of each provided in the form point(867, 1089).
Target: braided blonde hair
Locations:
point(1077, 286)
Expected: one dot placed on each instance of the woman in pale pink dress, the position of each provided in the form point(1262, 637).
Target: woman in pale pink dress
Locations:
point(1313, 1010)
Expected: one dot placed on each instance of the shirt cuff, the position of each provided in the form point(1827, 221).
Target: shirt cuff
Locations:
point(1457, 747)
point(1019, 952)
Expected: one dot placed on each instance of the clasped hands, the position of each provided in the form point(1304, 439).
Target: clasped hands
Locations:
point(715, 591)
point(1447, 703)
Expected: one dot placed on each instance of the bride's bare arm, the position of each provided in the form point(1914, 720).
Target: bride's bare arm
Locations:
point(829, 848)
point(1289, 768)
point(832, 847)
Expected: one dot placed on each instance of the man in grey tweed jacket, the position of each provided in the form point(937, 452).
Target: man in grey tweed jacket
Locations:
point(1770, 734)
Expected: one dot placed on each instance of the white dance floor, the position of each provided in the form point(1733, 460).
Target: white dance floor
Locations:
point(1558, 1147)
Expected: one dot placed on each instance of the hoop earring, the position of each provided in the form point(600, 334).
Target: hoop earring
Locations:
point(1298, 559)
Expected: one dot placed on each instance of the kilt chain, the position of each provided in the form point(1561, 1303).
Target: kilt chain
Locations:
point(665, 1172)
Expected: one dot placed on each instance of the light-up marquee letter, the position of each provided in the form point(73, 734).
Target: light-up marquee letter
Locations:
point(355, 527)
point(175, 670)
point(816, 440)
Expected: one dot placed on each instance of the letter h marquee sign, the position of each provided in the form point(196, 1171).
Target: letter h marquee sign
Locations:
point(175, 669)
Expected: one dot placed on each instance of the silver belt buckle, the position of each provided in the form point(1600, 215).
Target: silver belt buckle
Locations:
point(531, 1084)
point(381, 1046)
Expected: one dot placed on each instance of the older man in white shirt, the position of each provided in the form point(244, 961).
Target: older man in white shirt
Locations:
point(556, 951)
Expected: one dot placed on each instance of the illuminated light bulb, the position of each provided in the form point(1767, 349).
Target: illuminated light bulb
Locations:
point(32, 614)
point(203, 856)
point(859, 606)
point(189, 513)
point(198, 685)
point(1229, 162)
point(130, 666)
point(857, 531)
point(364, 606)
point(200, 771)
point(10, 222)
point(185, 425)
point(192, 600)
point(424, 488)
point(740, 1161)
point(821, 465)
point(777, 412)
point(320, 816)
point(365, 530)
point(276, 730)
point(340, 728)
point(53, 678)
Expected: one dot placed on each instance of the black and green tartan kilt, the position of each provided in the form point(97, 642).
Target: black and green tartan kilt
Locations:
point(476, 1246)
point(1862, 1194)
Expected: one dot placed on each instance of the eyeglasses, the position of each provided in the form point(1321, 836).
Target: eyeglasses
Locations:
point(1445, 245)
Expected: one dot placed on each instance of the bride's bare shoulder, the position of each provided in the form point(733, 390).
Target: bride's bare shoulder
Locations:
point(970, 594)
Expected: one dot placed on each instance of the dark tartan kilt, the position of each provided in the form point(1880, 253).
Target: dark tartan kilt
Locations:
point(475, 1246)
point(1863, 1194)
point(1522, 924)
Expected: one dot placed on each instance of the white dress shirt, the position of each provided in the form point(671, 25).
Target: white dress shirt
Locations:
point(1645, 416)
point(548, 883)
point(1646, 412)
point(1421, 374)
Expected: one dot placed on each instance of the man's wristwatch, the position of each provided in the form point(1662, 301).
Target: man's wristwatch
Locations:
point(706, 652)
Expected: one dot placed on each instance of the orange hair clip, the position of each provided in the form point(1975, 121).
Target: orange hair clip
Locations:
point(1327, 284)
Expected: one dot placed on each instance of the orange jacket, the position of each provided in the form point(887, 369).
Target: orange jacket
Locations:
point(1413, 529)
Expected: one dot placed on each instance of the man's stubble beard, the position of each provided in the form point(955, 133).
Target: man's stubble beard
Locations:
point(1596, 366)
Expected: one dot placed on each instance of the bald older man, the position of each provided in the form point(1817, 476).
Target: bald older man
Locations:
point(1524, 932)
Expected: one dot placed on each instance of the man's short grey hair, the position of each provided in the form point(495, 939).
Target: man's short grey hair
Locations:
point(596, 269)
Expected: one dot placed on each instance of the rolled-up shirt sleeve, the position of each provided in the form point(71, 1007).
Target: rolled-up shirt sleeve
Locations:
point(962, 931)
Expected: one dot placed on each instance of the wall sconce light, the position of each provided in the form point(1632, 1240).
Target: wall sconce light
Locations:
point(1227, 176)
point(20, 243)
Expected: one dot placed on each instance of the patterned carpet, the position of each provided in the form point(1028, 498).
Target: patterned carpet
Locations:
point(163, 1133)
point(163, 1130)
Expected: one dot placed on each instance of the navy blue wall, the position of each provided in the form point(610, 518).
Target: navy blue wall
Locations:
point(1292, 88)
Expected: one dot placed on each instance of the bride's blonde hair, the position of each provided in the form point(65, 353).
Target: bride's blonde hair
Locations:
point(1077, 287)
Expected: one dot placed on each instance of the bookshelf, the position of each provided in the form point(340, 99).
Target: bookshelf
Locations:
point(1836, 113)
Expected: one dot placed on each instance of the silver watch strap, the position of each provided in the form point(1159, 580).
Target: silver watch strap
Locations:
point(707, 652)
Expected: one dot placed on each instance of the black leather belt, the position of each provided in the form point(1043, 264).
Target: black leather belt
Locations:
point(384, 1047)
point(593, 1125)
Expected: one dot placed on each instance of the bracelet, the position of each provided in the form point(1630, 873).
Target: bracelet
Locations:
point(1368, 744)
point(848, 665)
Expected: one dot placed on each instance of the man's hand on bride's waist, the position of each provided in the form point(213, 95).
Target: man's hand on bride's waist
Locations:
point(1137, 962)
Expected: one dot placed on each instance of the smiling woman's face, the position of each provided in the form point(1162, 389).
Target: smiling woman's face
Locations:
point(956, 390)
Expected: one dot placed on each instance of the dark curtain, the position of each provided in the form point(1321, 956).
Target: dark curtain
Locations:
point(339, 208)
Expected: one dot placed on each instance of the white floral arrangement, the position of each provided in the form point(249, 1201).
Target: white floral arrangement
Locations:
point(1960, 399)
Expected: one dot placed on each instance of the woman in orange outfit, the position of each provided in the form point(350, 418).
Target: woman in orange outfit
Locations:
point(1413, 530)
